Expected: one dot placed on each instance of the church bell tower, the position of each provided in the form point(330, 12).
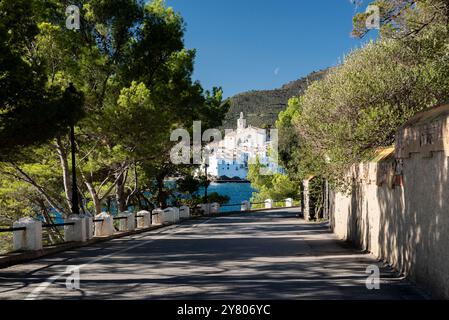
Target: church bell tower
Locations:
point(241, 122)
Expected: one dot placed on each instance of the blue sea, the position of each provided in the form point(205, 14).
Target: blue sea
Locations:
point(237, 192)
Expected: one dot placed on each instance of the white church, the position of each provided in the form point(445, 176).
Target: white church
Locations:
point(230, 158)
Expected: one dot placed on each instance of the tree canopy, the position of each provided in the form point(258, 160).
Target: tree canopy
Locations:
point(133, 79)
point(360, 104)
point(32, 110)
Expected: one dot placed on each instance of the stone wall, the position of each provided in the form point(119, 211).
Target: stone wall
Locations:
point(398, 206)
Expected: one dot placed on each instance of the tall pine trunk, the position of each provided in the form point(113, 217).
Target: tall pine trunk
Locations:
point(120, 195)
point(62, 154)
point(95, 199)
point(161, 194)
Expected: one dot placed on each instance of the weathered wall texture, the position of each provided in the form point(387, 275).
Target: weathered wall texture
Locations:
point(398, 208)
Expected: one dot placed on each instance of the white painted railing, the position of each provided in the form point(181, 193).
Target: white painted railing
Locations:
point(27, 232)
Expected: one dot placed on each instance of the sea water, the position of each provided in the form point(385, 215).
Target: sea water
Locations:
point(237, 192)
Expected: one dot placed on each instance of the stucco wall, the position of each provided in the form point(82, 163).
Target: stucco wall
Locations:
point(406, 225)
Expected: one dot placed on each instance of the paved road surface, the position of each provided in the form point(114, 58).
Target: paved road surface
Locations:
point(267, 255)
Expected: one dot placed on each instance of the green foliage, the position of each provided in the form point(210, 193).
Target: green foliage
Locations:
point(215, 197)
point(32, 111)
point(26, 187)
point(132, 74)
point(214, 110)
point(316, 200)
point(289, 144)
point(276, 187)
point(404, 18)
point(6, 242)
point(188, 185)
point(261, 108)
point(360, 105)
point(192, 202)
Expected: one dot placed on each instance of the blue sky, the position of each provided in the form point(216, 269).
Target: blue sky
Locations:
point(261, 44)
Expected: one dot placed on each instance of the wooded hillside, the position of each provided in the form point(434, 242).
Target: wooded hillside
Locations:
point(262, 108)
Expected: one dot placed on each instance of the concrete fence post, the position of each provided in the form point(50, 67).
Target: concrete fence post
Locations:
point(89, 221)
point(269, 204)
point(176, 215)
point(168, 216)
point(184, 212)
point(246, 206)
point(215, 208)
point(289, 202)
point(206, 208)
point(104, 228)
point(143, 219)
point(128, 224)
point(158, 216)
point(76, 232)
point(29, 239)
point(171, 215)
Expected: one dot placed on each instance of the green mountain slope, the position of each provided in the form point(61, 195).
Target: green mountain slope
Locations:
point(262, 108)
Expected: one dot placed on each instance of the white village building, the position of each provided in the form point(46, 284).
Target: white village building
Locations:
point(232, 156)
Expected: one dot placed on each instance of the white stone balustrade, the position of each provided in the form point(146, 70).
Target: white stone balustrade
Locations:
point(177, 216)
point(29, 239)
point(89, 221)
point(215, 208)
point(269, 204)
point(184, 212)
point(143, 219)
point(246, 206)
point(205, 207)
point(289, 202)
point(82, 228)
point(104, 228)
point(171, 215)
point(158, 217)
point(76, 232)
point(128, 224)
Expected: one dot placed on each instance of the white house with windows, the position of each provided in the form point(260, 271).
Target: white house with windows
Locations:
point(231, 157)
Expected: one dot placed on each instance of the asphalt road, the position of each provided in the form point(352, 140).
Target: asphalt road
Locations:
point(265, 255)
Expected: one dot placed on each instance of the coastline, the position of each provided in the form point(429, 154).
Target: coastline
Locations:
point(230, 181)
